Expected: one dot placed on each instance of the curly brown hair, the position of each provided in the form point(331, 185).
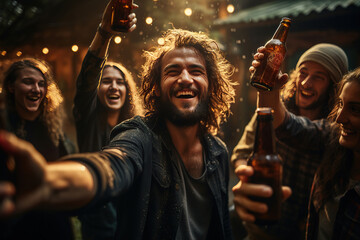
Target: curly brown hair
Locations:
point(52, 112)
point(132, 105)
point(219, 72)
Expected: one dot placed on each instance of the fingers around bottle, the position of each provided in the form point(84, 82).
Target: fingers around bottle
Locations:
point(286, 192)
point(134, 6)
point(244, 170)
point(255, 63)
point(251, 189)
point(244, 215)
point(261, 49)
point(249, 205)
point(7, 207)
point(132, 28)
point(132, 16)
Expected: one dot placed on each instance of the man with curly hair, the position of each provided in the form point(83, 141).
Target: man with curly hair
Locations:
point(167, 172)
point(310, 92)
point(34, 112)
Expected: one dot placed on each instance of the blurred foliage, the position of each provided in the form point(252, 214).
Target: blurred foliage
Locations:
point(15, 14)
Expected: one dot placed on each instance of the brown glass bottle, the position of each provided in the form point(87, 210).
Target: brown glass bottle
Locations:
point(267, 166)
point(264, 76)
point(119, 15)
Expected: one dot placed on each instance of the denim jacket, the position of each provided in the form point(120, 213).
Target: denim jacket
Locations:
point(144, 182)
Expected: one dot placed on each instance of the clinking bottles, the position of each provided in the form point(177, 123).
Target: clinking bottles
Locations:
point(267, 166)
point(119, 15)
point(264, 76)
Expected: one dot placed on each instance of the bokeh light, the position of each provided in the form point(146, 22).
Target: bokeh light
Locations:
point(117, 40)
point(18, 53)
point(74, 48)
point(149, 20)
point(3, 53)
point(161, 41)
point(45, 50)
point(230, 8)
point(188, 12)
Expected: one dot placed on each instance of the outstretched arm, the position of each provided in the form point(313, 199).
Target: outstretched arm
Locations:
point(61, 185)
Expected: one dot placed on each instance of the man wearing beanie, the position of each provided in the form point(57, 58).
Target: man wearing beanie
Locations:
point(309, 92)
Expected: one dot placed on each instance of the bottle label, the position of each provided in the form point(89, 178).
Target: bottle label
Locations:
point(274, 60)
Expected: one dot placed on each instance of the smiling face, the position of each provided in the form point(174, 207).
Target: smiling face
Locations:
point(112, 89)
point(184, 86)
point(348, 116)
point(312, 83)
point(29, 90)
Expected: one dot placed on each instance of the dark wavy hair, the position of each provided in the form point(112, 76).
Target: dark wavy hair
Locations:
point(132, 105)
point(288, 93)
point(334, 172)
point(219, 72)
point(52, 112)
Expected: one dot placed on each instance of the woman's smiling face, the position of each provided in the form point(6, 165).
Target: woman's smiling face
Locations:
point(348, 116)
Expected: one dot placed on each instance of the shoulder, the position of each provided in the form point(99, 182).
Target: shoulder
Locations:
point(133, 126)
point(215, 145)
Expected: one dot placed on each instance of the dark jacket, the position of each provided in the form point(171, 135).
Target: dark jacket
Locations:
point(144, 180)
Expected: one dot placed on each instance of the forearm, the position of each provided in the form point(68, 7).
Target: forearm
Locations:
point(69, 185)
point(100, 44)
point(272, 99)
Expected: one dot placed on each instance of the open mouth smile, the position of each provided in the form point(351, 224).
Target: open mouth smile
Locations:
point(185, 94)
point(33, 98)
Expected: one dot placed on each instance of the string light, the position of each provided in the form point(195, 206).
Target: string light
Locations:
point(230, 8)
point(19, 53)
point(3, 53)
point(117, 40)
point(45, 50)
point(188, 12)
point(161, 41)
point(74, 48)
point(149, 20)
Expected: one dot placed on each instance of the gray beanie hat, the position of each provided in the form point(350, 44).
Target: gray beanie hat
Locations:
point(330, 56)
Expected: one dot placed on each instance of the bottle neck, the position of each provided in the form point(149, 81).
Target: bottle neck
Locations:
point(282, 32)
point(265, 136)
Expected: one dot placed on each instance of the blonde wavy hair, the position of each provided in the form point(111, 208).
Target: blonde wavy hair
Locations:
point(52, 112)
point(219, 72)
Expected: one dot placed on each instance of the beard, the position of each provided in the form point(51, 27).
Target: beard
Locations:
point(182, 119)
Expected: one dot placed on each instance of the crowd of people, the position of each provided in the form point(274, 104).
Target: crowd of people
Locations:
point(150, 164)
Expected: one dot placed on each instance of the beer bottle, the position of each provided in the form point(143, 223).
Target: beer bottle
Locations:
point(119, 15)
point(264, 76)
point(267, 166)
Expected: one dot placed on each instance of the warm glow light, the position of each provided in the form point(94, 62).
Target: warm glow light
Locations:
point(230, 8)
point(149, 20)
point(117, 39)
point(74, 48)
point(188, 12)
point(161, 41)
point(19, 53)
point(3, 53)
point(45, 50)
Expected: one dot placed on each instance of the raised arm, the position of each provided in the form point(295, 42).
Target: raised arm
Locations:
point(271, 98)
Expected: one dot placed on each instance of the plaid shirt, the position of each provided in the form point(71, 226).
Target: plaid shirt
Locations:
point(299, 167)
point(347, 221)
point(315, 136)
